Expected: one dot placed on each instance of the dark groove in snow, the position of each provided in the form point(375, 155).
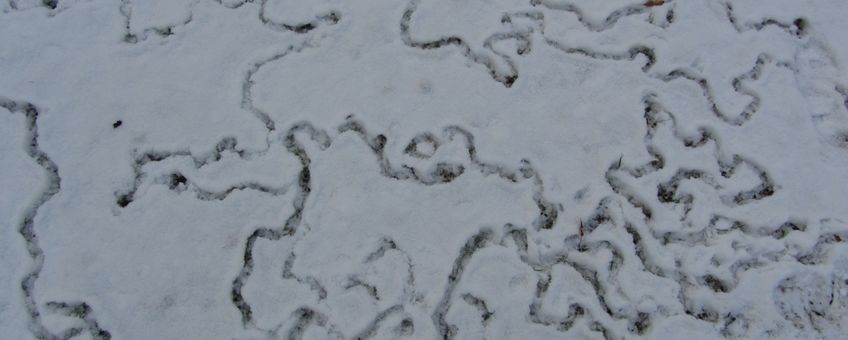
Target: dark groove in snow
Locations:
point(27, 230)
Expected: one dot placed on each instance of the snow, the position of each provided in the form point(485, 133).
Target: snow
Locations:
point(423, 169)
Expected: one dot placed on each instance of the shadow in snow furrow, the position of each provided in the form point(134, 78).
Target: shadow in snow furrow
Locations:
point(440, 175)
point(387, 244)
point(738, 86)
point(371, 330)
point(667, 192)
point(506, 79)
point(797, 27)
point(312, 282)
point(51, 5)
point(177, 182)
point(248, 82)
point(536, 316)
point(480, 304)
point(82, 311)
point(354, 281)
point(134, 37)
point(173, 180)
point(131, 37)
point(328, 18)
point(306, 317)
point(523, 37)
point(475, 243)
point(26, 228)
point(604, 25)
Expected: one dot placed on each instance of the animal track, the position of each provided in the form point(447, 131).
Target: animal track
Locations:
point(438, 175)
point(623, 240)
point(49, 4)
point(738, 84)
point(490, 57)
point(665, 239)
point(797, 27)
point(611, 19)
point(135, 35)
point(638, 246)
point(26, 228)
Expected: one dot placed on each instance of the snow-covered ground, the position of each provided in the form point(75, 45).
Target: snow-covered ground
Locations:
point(423, 169)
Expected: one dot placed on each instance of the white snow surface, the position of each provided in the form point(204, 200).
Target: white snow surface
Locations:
point(423, 169)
